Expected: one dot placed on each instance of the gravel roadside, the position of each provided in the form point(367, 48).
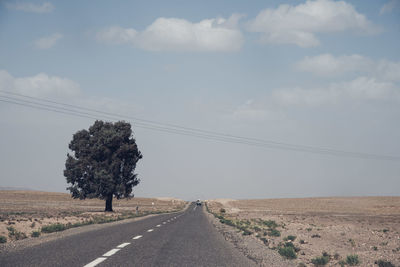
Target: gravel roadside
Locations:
point(252, 248)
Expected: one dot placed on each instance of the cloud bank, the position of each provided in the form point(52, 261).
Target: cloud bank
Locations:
point(40, 85)
point(172, 34)
point(359, 89)
point(300, 24)
point(329, 65)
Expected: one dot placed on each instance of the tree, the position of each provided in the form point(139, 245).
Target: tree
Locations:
point(103, 162)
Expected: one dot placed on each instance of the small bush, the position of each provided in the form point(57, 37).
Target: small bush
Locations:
point(302, 241)
point(3, 239)
point(247, 222)
point(270, 223)
point(319, 261)
point(342, 263)
point(352, 242)
point(287, 252)
point(375, 248)
point(13, 233)
point(247, 232)
point(289, 244)
point(11, 230)
point(33, 225)
point(226, 221)
point(352, 260)
point(274, 232)
point(57, 227)
point(263, 239)
point(309, 229)
point(222, 210)
point(257, 229)
point(383, 263)
point(19, 235)
point(316, 236)
point(35, 234)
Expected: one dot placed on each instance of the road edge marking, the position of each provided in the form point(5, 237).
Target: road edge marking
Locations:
point(137, 237)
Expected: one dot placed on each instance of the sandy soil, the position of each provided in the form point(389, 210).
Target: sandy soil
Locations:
point(365, 226)
point(30, 211)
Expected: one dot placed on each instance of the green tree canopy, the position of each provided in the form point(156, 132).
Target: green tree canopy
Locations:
point(103, 162)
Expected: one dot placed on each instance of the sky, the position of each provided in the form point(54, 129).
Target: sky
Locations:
point(321, 73)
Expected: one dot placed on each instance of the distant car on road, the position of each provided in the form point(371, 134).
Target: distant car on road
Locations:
point(198, 202)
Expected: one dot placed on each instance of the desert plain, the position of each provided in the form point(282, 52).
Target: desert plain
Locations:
point(330, 227)
point(334, 227)
point(30, 214)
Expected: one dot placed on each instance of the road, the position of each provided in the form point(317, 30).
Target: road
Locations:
point(181, 239)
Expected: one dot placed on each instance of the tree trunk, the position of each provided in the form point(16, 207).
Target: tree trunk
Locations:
point(109, 203)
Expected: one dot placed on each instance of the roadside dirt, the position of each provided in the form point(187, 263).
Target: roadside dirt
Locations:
point(22, 213)
point(249, 246)
point(368, 227)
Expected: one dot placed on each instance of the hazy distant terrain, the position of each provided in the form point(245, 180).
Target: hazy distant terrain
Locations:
point(365, 226)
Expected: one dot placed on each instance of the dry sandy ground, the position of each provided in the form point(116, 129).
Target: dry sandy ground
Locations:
point(365, 226)
point(29, 211)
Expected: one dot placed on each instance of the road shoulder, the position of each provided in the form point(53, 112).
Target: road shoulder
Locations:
point(253, 249)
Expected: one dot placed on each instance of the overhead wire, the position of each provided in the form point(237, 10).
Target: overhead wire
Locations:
point(75, 110)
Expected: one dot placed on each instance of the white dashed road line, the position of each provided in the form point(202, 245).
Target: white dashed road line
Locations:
point(111, 252)
point(115, 250)
point(95, 262)
point(123, 245)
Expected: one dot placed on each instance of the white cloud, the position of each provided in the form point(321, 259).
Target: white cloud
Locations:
point(40, 85)
point(172, 34)
point(45, 7)
point(48, 41)
point(328, 65)
point(361, 88)
point(253, 111)
point(389, 6)
point(388, 70)
point(299, 24)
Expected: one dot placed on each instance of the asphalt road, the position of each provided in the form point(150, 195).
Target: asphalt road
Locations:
point(180, 239)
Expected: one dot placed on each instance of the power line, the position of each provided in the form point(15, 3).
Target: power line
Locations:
point(174, 125)
point(74, 110)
